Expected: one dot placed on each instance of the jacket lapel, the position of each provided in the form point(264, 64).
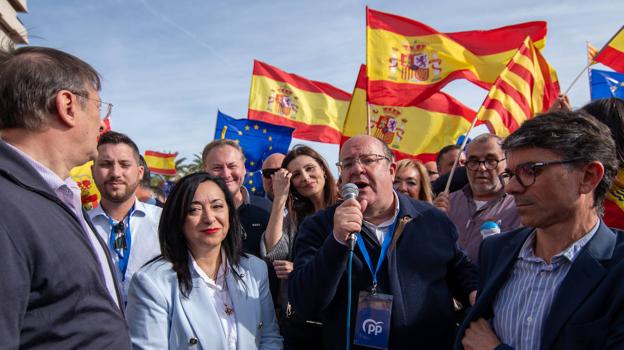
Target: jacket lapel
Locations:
point(586, 272)
point(202, 315)
point(244, 309)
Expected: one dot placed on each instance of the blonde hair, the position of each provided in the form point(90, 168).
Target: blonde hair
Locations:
point(425, 194)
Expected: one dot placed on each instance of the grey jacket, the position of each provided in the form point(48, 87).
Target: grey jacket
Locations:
point(53, 294)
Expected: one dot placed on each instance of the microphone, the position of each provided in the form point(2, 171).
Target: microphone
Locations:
point(350, 191)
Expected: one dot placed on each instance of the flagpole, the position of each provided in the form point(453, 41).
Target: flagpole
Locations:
point(590, 62)
point(450, 178)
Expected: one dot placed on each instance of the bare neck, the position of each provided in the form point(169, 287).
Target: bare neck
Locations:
point(209, 261)
point(239, 198)
point(377, 216)
point(318, 202)
point(117, 211)
point(552, 240)
point(43, 148)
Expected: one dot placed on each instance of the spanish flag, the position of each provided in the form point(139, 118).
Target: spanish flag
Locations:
point(408, 61)
point(161, 163)
point(612, 54)
point(89, 194)
point(614, 203)
point(315, 109)
point(417, 131)
point(526, 87)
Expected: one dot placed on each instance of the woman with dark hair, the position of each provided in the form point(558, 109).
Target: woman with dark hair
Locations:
point(304, 186)
point(610, 111)
point(202, 291)
point(412, 179)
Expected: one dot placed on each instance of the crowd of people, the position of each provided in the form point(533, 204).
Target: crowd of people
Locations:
point(520, 252)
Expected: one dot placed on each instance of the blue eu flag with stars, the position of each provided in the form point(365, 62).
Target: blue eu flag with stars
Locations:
point(258, 140)
point(605, 84)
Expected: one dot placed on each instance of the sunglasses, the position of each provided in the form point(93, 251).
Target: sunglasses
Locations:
point(266, 173)
point(120, 236)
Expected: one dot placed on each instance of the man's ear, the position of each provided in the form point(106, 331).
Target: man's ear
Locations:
point(593, 172)
point(66, 104)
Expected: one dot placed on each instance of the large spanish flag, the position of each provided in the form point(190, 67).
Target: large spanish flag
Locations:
point(526, 87)
point(614, 203)
point(161, 163)
point(417, 131)
point(612, 54)
point(408, 61)
point(315, 109)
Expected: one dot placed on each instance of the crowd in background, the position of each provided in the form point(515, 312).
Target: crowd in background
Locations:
point(516, 251)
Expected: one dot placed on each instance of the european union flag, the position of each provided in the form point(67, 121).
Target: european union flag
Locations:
point(258, 140)
point(605, 84)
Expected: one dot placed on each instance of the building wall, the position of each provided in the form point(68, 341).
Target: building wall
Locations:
point(12, 31)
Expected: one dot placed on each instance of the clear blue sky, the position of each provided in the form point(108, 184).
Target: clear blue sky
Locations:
point(167, 66)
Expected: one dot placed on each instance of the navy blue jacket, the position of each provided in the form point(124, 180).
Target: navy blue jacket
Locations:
point(588, 309)
point(423, 272)
point(52, 291)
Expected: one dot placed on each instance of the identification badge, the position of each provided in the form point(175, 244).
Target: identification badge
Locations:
point(373, 320)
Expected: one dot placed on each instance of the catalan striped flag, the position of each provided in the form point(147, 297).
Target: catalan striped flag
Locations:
point(161, 163)
point(591, 53)
point(408, 61)
point(89, 194)
point(526, 87)
point(614, 203)
point(417, 131)
point(612, 54)
point(315, 109)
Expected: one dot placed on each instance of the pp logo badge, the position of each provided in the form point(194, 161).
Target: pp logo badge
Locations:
point(372, 327)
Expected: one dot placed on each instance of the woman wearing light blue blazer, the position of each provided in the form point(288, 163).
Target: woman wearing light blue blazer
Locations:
point(203, 292)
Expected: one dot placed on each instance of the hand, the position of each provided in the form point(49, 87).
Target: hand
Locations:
point(281, 183)
point(282, 268)
point(442, 202)
point(562, 103)
point(480, 336)
point(348, 219)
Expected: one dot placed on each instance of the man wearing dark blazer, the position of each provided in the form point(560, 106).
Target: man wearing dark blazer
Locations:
point(58, 289)
point(556, 284)
point(422, 270)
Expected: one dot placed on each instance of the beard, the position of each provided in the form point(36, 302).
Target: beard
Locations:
point(120, 195)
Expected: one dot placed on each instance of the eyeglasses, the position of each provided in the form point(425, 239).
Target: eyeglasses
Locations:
point(266, 173)
point(120, 236)
point(526, 173)
point(489, 164)
point(104, 107)
point(366, 160)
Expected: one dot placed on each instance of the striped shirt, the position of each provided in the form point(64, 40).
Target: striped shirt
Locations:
point(522, 305)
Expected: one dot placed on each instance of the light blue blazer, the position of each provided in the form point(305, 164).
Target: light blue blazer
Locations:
point(160, 317)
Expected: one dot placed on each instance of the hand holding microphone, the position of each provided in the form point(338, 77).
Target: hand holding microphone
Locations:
point(348, 216)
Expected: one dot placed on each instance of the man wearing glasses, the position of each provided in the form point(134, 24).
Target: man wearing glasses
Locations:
point(405, 255)
point(556, 284)
point(483, 199)
point(129, 226)
point(270, 165)
point(58, 287)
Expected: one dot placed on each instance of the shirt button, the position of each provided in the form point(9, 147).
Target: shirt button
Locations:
point(193, 341)
point(529, 319)
point(543, 273)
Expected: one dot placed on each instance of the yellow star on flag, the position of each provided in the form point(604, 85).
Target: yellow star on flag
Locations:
point(264, 131)
point(252, 163)
point(246, 127)
point(270, 138)
point(240, 132)
point(256, 127)
point(253, 189)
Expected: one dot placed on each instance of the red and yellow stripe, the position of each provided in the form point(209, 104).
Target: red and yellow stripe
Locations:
point(408, 61)
point(315, 109)
point(526, 87)
point(614, 203)
point(417, 131)
point(89, 194)
point(161, 163)
point(612, 55)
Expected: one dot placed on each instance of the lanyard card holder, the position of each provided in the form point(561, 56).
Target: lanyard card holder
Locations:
point(372, 326)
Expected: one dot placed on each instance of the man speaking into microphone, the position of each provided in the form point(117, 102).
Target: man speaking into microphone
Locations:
point(406, 268)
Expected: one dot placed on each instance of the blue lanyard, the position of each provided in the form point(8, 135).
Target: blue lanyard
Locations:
point(382, 255)
point(123, 256)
